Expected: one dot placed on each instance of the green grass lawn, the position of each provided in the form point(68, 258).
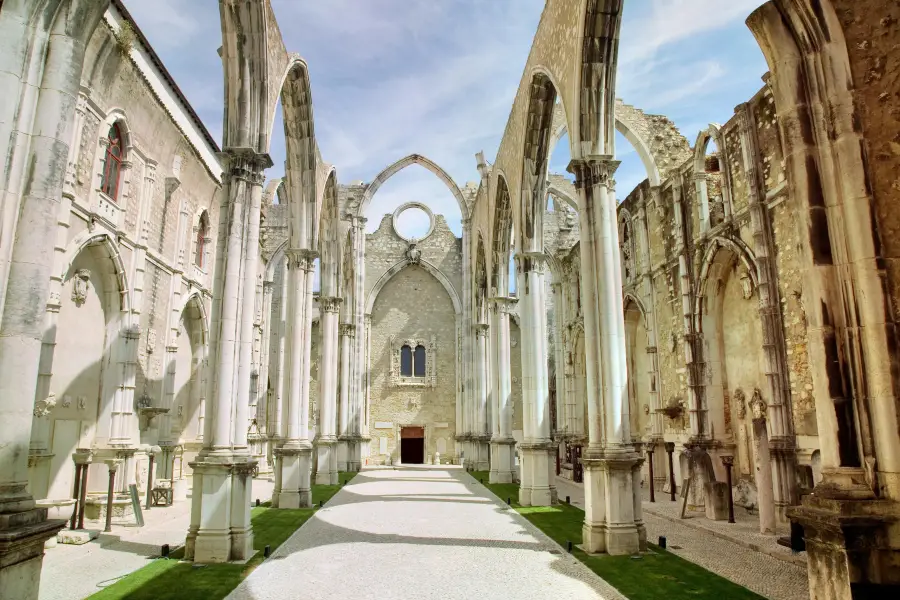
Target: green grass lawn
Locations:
point(177, 580)
point(656, 575)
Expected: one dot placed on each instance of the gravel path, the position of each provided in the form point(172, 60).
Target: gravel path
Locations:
point(420, 533)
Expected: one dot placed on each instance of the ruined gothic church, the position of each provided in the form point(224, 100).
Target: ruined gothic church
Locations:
point(731, 319)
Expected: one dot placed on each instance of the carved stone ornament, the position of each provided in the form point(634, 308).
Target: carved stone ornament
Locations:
point(413, 254)
point(758, 406)
point(80, 286)
point(741, 400)
point(746, 285)
point(66, 401)
point(43, 407)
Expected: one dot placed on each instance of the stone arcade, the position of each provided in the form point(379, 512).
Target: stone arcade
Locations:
point(737, 307)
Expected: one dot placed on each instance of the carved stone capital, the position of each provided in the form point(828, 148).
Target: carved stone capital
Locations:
point(480, 329)
point(347, 329)
point(330, 304)
point(503, 305)
point(301, 258)
point(245, 164)
point(531, 262)
point(593, 171)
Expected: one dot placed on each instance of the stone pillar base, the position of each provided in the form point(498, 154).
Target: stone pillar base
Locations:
point(537, 487)
point(610, 525)
point(327, 472)
point(502, 459)
point(295, 463)
point(209, 536)
point(241, 499)
point(343, 453)
point(483, 454)
point(22, 538)
point(852, 545)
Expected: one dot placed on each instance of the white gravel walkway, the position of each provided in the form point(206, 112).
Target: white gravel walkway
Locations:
point(430, 532)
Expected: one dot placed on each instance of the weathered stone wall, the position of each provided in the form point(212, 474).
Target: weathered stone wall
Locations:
point(408, 302)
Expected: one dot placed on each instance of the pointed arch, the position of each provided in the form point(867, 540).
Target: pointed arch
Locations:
point(480, 281)
point(738, 251)
point(329, 239)
point(536, 157)
point(435, 271)
point(104, 247)
point(412, 159)
point(501, 236)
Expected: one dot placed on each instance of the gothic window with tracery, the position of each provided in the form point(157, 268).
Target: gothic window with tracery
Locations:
point(112, 163)
point(413, 362)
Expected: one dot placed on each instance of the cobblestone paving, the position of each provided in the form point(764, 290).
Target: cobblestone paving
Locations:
point(772, 577)
point(420, 533)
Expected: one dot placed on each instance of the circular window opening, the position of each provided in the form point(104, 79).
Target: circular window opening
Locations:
point(413, 221)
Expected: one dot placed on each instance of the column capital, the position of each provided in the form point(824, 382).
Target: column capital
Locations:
point(503, 304)
point(246, 164)
point(301, 258)
point(528, 262)
point(330, 304)
point(347, 329)
point(591, 171)
point(268, 286)
point(480, 329)
point(703, 176)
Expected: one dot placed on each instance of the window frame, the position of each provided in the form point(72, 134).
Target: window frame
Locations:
point(110, 157)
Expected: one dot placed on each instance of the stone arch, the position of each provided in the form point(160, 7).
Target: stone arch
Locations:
point(329, 240)
point(108, 249)
point(189, 394)
point(640, 377)
point(501, 236)
point(480, 282)
point(739, 251)
point(714, 133)
point(435, 271)
point(536, 157)
point(732, 343)
point(598, 57)
point(412, 159)
point(658, 143)
point(558, 189)
point(301, 162)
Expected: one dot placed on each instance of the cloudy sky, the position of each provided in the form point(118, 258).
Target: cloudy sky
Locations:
point(396, 77)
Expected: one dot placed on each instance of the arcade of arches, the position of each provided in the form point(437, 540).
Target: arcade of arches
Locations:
point(737, 307)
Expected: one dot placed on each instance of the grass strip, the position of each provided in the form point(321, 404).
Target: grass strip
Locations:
point(656, 575)
point(175, 580)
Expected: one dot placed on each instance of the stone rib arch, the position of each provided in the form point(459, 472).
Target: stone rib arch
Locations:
point(195, 299)
point(739, 252)
point(501, 238)
point(105, 244)
point(658, 143)
point(397, 268)
point(412, 159)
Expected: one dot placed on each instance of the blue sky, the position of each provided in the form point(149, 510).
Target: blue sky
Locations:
point(396, 77)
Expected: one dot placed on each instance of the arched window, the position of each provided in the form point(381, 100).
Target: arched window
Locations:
point(202, 236)
point(112, 163)
point(420, 361)
point(406, 361)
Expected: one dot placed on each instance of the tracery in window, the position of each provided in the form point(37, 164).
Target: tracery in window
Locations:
point(413, 361)
point(112, 163)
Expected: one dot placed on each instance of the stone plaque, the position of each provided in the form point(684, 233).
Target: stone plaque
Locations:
point(382, 445)
point(383, 425)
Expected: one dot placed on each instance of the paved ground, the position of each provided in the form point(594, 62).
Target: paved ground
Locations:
point(741, 555)
point(126, 549)
point(420, 533)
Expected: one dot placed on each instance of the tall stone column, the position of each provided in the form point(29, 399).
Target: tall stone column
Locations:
point(480, 433)
point(41, 74)
point(611, 524)
point(502, 441)
point(262, 391)
point(358, 444)
point(347, 338)
point(536, 488)
point(294, 456)
point(326, 440)
point(220, 528)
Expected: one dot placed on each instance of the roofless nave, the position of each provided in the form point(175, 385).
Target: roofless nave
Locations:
point(737, 307)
